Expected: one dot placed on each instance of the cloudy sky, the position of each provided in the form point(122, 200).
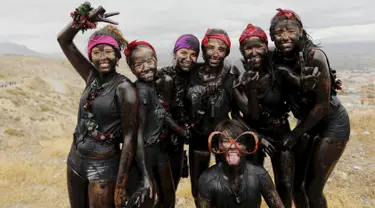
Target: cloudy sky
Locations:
point(36, 23)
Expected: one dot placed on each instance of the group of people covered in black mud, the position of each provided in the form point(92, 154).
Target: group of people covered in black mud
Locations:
point(128, 145)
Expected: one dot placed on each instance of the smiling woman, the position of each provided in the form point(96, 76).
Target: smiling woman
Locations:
point(319, 111)
point(97, 169)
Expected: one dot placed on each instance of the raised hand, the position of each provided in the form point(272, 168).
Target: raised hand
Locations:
point(99, 15)
point(250, 77)
point(309, 75)
point(212, 86)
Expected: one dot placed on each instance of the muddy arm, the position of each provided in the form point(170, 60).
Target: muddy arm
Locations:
point(322, 91)
point(174, 126)
point(127, 97)
point(81, 64)
point(269, 192)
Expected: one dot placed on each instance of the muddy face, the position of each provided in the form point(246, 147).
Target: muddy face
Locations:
point(254, 51)
point(104, 58)
point(287, 35)
point(216, 51)
point(186, 58)
point(144, 63)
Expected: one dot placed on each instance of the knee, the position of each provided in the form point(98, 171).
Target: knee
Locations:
point(314, 193)
point(284, 186)
point(298, 189)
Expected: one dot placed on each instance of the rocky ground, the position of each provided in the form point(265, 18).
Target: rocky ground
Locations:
point(38, 113)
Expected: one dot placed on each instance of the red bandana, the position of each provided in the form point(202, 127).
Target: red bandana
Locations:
point(289, 14)
point(252, 31)
point(135, 43)
point(221, 37)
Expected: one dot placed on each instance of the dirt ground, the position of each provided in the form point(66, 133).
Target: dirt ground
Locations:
point(38, 115)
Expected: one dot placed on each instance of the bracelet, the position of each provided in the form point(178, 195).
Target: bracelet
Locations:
point(80, 17)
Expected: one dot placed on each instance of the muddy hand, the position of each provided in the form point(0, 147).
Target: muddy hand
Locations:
point(250, 77)
point(212, 86)
point(99, 15)
point(267, 147)
point(308, 82)
point(309, 75)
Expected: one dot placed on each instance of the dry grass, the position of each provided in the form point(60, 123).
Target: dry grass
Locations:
point(35, 135)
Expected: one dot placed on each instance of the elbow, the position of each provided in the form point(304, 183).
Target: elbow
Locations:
point(321, 111)
point(60, 38)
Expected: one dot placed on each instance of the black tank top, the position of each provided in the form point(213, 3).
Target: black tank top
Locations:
point(216, 106)
point(106, 114)
point(273, 100)
point(155, 113)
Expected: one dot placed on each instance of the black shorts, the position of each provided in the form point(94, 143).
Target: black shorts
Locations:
point(93, 168)
point(334, 125)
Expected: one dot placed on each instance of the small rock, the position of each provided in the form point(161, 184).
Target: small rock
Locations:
point(357, 167)
point(342, 175)
point(366, 132)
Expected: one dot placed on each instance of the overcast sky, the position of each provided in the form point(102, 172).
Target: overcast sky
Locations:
point(36, 23)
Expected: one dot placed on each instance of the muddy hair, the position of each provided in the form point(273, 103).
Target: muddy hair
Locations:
point(212, 32)
point(262, 39)
point(306, 41)
point(233, 127)
point(114, 32)
point(129, 58)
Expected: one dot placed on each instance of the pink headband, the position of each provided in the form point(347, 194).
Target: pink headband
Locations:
point(102, 39)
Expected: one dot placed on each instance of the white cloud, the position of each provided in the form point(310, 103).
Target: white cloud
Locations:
point(36, 23)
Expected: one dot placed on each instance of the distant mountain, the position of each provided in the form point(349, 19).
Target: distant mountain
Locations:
point(351, 56)
point(16, 49)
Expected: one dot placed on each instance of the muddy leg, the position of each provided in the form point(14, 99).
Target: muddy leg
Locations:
point(283, 169)
point(78, 189)
point(199, 162)
point(101, 193)
point(326, 153)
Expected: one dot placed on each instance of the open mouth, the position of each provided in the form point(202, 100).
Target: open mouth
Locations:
point(287, 45)
point(233, 158)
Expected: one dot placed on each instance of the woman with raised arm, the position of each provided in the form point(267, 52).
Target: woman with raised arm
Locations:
point(97, 169)
point(259, 96)
point(319, 111)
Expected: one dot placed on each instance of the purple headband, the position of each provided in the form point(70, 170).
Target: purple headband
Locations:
point(188, 41)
